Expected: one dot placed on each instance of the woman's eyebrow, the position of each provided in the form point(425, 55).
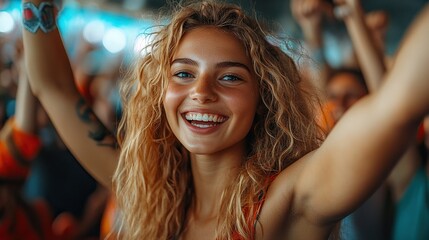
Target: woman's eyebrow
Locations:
point(232, 64)
point(218, 65)
point(184, 61)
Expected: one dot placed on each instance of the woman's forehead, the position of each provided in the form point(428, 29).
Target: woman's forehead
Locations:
point(212, 42)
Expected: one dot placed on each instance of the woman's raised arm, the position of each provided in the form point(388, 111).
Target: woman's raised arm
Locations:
point(364, 146)
point(52, 82)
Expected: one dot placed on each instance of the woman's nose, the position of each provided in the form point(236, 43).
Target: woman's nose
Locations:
point(203, 90)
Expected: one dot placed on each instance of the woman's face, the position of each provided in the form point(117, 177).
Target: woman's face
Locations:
point(212, 95)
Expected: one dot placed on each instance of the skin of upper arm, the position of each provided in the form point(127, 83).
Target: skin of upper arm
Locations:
point(83, 133)
point(353, 161)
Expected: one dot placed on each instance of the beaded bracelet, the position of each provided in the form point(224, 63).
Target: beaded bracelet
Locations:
point(42, 17)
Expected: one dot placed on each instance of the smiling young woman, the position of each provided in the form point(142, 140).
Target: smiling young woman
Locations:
point(218, 137)
point(211, 78)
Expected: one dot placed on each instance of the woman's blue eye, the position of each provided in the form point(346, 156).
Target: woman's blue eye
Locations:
point(230, 78)
point(183, 75)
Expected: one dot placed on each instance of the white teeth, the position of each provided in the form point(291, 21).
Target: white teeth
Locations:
point(206, 117)
point(203, 125)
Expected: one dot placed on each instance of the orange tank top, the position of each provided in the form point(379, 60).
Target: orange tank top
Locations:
point(253, 217)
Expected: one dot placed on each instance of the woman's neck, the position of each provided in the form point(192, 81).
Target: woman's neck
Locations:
point(211, 175)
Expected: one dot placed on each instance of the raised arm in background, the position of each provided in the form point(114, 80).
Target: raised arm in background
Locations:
point(309, 15)
point(370, 57)
point(19, 145)
point(26, 104)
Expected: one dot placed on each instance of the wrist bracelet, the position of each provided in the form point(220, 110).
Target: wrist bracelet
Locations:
point(42, 17)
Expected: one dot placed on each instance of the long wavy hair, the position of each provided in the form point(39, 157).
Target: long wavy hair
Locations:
point(153, 181)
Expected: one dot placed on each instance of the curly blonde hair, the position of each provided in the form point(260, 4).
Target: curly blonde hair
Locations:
point(153, 181)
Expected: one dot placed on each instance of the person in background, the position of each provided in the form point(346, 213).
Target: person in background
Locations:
point(39, 202)
point(19, 144)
